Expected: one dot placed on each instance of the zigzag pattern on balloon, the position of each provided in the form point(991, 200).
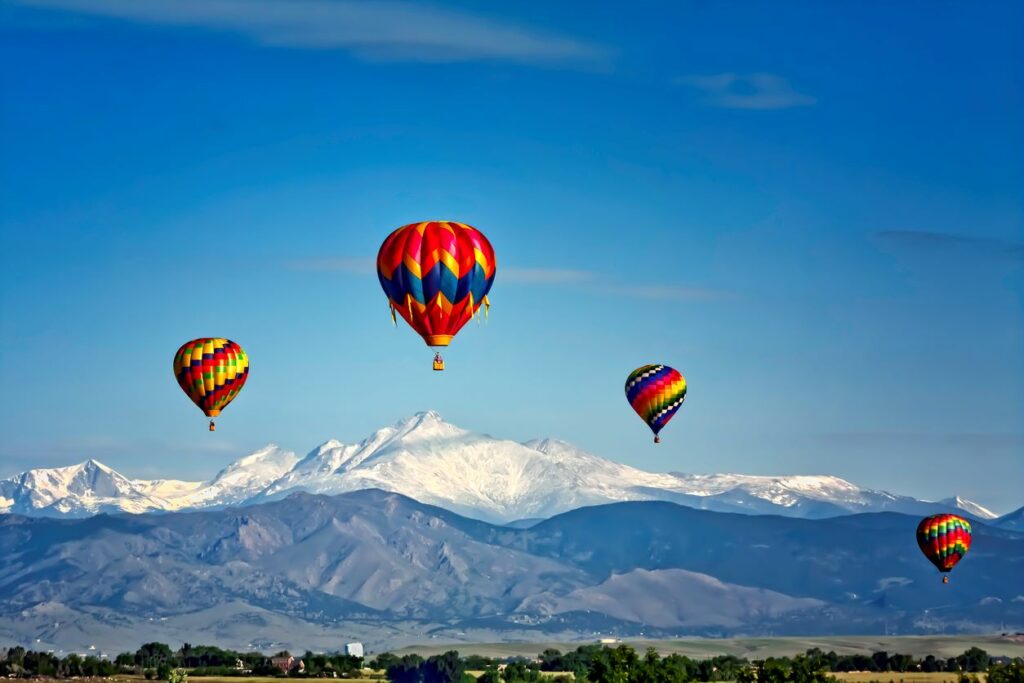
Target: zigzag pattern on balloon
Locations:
point(211, 370)
point(944, 539)
point(656, 392)
point(436, 275)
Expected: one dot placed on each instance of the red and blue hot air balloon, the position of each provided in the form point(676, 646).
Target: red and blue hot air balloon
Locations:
point(436, 275)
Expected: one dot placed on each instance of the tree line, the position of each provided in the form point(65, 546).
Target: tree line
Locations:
point(622, 664)
point(156, 661)
point(592, 663)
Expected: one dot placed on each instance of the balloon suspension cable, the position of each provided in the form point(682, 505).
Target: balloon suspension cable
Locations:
point(474, 311)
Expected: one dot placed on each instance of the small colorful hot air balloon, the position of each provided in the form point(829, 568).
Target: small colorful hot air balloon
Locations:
point(944, 540)
point(436, 275)
point(656, 392)
point(211, 370)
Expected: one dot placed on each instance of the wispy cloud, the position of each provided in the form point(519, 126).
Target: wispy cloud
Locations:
point(671, 292)
point(595, 282)
point(977, 443)
point(357, 266)
point(545, 275)
point(516, 275)
point(381, 31)
point(949, 243)
point(747, 91)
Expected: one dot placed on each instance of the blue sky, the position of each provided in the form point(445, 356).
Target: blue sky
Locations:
point(812, 210)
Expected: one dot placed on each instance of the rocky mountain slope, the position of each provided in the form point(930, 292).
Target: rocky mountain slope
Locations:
point(389, 570)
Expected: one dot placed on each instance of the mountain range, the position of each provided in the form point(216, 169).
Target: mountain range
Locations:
point(314, 570)
point(475, 475)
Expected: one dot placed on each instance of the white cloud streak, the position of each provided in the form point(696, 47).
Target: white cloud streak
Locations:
point(377, 31)
point(959, 245)
point(359, 266)
point(583, 279)
point(670, 292)
point(545, 275)
point(746, 91)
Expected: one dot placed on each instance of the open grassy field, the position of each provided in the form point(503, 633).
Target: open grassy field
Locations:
point(543, 674)
point(896, 677)
point(759, 648)
point(848, 677)
point(377, 678)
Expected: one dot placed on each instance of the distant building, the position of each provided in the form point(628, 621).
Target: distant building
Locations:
point(354, 649)
point(286, 664)
point(608, 641)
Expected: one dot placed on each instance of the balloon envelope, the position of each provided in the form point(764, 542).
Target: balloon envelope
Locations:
point(436, 275)
point(211, 371)
point(944, 539)
point(656, 392)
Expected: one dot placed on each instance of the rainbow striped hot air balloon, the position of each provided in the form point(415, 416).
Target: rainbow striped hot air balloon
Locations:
point(436, 275)
point(211, 371)
point(656, 392)
point(944, 540)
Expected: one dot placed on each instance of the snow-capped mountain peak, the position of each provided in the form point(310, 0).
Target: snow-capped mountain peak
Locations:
point(476, 475)
point(969, 507)
point(424, 426)
point(85, 488)
point(88, 478)
point(242, 479)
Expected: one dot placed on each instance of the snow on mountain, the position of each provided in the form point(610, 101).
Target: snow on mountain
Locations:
point(92, 487)
point(437, 463)
point(166, 488)
point(970, 507)
point(242, 479)
point(475, 475)
point(84, 489)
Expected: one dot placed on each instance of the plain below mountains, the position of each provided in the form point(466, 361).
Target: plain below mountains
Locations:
point(475, 475)
point(312, 570)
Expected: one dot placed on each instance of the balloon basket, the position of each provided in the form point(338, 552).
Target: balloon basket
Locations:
point(213, 427)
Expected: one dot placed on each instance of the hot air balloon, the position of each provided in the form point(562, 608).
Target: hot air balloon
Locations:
point(211, 371)
point(944, 540)
point(656, 392)
point(436, 275)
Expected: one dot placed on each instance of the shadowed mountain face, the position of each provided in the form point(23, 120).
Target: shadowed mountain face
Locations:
point(387, 569)
point(1013, 520)
point(852, 559)
point(340, 556)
